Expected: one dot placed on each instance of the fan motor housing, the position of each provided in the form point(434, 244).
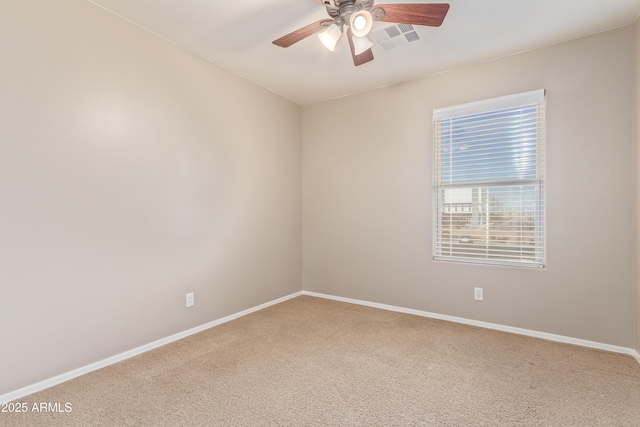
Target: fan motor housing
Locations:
point(344, 8)
point(338, 4)
point(329, 3)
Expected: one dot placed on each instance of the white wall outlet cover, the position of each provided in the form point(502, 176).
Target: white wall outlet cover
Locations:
point(478, 294)
point(190, 299)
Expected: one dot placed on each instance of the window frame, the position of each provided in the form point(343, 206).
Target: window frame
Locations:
point(523, 100)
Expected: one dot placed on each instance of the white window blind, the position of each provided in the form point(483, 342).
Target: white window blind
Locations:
point(489, 181)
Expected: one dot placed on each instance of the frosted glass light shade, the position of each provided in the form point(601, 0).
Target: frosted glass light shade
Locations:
point(361, 44)
point(361, 23)
point(330, 37)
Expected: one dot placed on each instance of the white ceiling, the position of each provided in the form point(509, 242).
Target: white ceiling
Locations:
point(237, 35)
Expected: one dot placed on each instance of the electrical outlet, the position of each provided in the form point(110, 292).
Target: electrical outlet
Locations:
point(190, 299)
point(478, 294)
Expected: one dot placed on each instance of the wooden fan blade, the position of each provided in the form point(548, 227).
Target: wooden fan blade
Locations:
point(364, 57)
point(301, 34)
point(428, 15)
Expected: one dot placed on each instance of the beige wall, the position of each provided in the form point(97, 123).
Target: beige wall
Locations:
point(366, 199)
point(131, 172)
point(636, 118)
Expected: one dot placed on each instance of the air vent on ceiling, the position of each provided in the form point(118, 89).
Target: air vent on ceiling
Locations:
point(394, 36)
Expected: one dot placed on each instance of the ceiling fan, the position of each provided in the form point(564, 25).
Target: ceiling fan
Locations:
point(357, 17)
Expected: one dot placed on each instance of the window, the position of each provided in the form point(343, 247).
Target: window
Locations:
point(489, 181)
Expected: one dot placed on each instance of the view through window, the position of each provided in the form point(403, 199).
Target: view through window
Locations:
point(489, 181)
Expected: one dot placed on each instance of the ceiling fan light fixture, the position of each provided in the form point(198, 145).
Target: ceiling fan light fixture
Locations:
point(356, 18)
point(361, 23)
point(361, 44)
point(330, 36)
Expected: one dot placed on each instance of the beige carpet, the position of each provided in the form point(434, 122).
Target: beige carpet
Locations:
point(313, 362)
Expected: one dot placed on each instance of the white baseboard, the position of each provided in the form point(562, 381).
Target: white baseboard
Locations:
point(159, 343)
point(487, 325)
point(136, 351)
